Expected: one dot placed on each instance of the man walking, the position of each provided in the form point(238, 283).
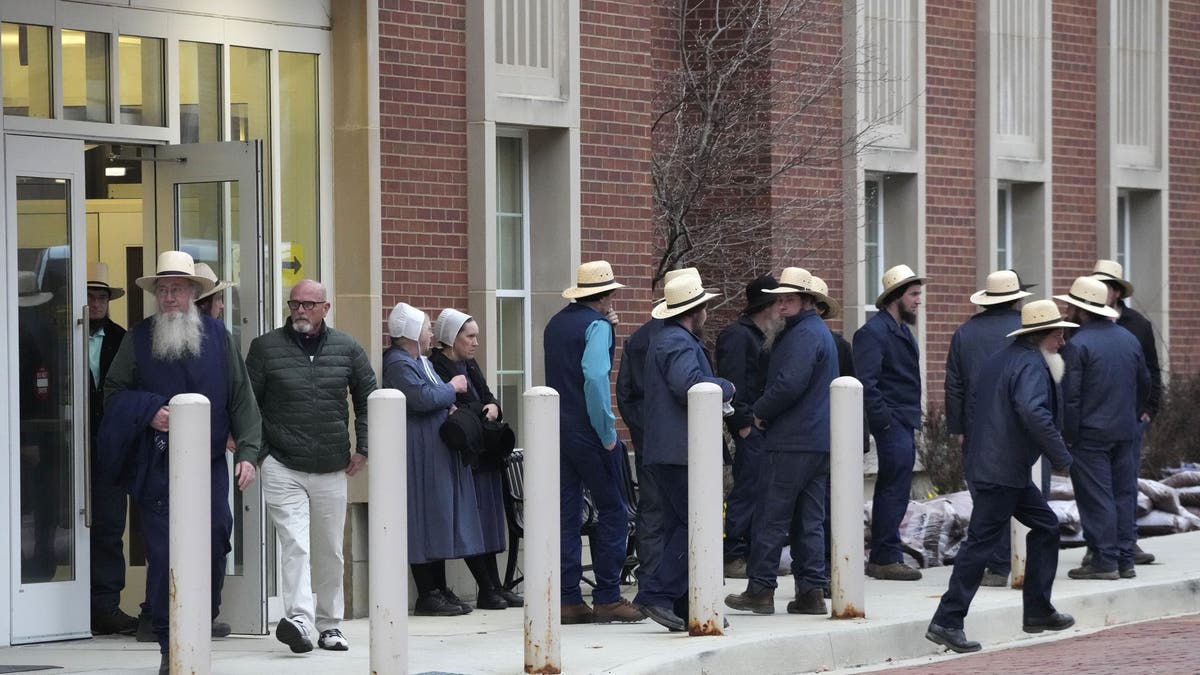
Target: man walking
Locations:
point(741, 359)
point(887, 360)
point(109, 503)
point(300, 374)
point(578, 345)
point(980, 336)
point(177, 351)
point(794, 414)
point(676, 362)
point(1107, 383)
point(1015, 421)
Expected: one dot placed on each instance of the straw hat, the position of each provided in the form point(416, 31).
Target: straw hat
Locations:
point(898, 276)
point(1002, 286)
point(592, 278)
point(792, 280)
point(1089, 293)
point(683, 292)
point(820, 291)
point(1111, 271)
point(1041, 315)
point(406, 321)
point(449, 323)
point(98, 280)
point(175, 265)
point(202, 269)
point(671, 275)
point(28, 294)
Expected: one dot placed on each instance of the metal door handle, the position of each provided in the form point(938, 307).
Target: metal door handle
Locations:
point(85, 322)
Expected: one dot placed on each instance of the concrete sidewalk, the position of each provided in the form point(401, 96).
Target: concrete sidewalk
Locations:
point(897, 613)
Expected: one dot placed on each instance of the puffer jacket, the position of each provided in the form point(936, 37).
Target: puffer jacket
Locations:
point(303, 403)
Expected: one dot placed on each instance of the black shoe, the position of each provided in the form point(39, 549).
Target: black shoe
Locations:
point(1089, 572)
point(221, 629)
point(826, 593)
point(164, 665)
point(490, 598)
point(757, 599)
point(663, 616)
point(451, 597)
point(511, 598)
point(1056, 621)
point(145, 629)
point(811, 601)
point(1140, 557)
point(1127, 573)
point(114, 622)
point(951, 638)
point(293, 634)
point(436, 604)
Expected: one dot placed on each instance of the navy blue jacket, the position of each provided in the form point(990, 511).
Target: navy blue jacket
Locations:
point(888, 364)
point(630, 390)
point(742, 360)
point(1106, 384)
point(1015, 418)
point(1134, 322)
point(563, 343)
point(795, 403)
point(676, 362)
point(977, 339)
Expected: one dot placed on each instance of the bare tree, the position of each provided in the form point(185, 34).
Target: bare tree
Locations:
point(743, 112)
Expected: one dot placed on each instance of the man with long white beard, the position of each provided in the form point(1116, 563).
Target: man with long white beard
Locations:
point(177, 351)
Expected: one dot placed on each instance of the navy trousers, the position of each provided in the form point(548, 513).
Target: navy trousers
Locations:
point(1000, 561)
point(994, 506)
point(648, 520)
point(667, 584)
point(1105, 478)
point(155, 529)
point(742, 498)
point(109, 507)
point(794, 485)
point(893, 483)
point(584, 462)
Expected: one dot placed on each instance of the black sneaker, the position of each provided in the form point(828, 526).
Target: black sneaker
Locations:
point(114, 622)
point(511, 598)
point(436, 604)
point(451, 597)
point(292, 633)
point(333, 640)
point(145, 629)
point(490, 598)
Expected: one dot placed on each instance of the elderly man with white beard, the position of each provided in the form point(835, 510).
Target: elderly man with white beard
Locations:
point(177, 351)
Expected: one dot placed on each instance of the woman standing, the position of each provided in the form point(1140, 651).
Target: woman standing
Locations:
point(458, 338)
point(442, 508)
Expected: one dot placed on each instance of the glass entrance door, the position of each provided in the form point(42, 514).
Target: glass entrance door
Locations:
point(208, 203)
point(47, 313)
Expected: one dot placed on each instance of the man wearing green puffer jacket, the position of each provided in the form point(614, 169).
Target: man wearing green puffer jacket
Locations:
point(300, 375)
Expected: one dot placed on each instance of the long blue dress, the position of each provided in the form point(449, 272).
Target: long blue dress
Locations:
point(443, 511)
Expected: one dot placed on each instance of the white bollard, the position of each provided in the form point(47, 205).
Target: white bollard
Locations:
point(387, 530)
point(705, 552)
point(190, 521)
point(543, 580)
point(1019, 533)
point(846, 498)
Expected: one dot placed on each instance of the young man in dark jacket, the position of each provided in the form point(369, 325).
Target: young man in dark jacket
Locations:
point(1015, 421)
point(794, 414)
point(888, 363)
point(301, 374)
point(741, 359)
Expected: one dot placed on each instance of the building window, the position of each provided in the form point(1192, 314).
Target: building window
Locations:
point(873, 195)
point(514, 347)
point(1123, 227)
point(85, 78)
point(142, 85)
point(25, 60)
point(199, 92)
point(1004, 227)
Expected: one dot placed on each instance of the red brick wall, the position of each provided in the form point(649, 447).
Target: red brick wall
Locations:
point(950, 197)
point(1185, 186)
point(422, 82)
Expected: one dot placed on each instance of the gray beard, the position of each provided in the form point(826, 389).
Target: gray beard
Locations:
point(772, 330)
point(1056, 364)
point(176, 335)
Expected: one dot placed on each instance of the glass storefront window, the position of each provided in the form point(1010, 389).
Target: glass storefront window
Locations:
point(25, 57)
point(250, 118)
point(199, 92)
point(512, 295)
point(140, 60)
point(299, 139)
point(85, 77)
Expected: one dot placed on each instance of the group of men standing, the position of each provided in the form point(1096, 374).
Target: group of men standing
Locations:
point(1010, 397)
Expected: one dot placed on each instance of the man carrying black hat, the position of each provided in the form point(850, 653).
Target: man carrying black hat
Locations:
point(742, 358)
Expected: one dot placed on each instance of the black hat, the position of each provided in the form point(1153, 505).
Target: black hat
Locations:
point(756, 297)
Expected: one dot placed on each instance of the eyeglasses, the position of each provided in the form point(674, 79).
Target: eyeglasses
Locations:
point(306, 304)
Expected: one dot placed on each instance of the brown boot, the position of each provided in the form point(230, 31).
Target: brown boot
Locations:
point(811, 601)
point(757, 599)
point(579, 613)
point(894, 572)
point(621, 611)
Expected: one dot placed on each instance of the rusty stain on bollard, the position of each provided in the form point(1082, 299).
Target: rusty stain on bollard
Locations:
point(1018, 581)
point(698, 628)
point(851, 612)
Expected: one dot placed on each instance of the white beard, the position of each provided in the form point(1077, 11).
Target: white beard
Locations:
point(772, 330)
point(1056, 364)
point(176, 335)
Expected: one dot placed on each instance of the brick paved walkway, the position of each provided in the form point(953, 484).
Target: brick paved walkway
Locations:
point(1167, 646)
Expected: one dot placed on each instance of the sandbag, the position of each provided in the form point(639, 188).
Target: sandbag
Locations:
point(1189, 496)
point(1183, 479)
point(1163, 497)
point(1068, 516)
point(1158, 523)
point(1061, 489)
point(1144, 505)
